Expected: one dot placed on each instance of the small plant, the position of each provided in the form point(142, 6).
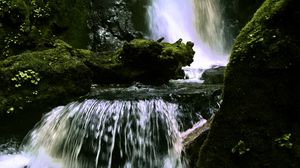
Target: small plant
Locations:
point(40, 10)
point(10, 110)
point(284, 141)
point(28, 27)
point(26, 77)
point(240, 148)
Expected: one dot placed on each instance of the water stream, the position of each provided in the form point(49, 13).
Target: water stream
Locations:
point(113, 127)
point(100, 133)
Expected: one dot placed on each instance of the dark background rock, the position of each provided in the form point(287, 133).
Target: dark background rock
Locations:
point(111, 24)
point(236, 13)
point(261, 95)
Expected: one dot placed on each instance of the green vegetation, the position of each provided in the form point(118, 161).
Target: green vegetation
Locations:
point(10, 110)
point(240, 148)
point(27, 76)
point(34, 25)
point(33, 82)
point(284, 141)
point(145, 61)
point(24, 25)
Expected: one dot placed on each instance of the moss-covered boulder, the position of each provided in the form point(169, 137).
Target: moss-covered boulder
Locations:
point(145, 61)
point(32, 83)
point(258, 124)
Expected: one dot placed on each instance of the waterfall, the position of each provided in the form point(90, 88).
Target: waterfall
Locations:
point(110, 134)
point(198, 21)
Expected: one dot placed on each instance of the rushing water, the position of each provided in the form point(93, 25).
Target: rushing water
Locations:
point(198, 21)
point(101, 133)
point(117, 127)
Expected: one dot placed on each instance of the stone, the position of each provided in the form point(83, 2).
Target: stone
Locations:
point(214, 75)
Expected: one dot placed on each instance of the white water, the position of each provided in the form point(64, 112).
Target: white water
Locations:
point(104, 134)
point(198, 21)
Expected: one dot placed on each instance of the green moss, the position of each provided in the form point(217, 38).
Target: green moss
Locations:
point(33, 25)
point(23, 23)
point(71, 18)
point(33, 81)
point(141, 60)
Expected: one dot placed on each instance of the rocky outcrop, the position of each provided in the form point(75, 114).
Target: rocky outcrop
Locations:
point(258, 123)
point(32, 83)
point(111, 24)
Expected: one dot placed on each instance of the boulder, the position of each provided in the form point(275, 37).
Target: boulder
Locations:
point(32, 83)
point(258, 124)
point(214, 75)
point(145, 61)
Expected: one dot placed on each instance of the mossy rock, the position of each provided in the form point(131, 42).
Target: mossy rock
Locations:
point(140, 60)
point(32, 83)
point(261, 95)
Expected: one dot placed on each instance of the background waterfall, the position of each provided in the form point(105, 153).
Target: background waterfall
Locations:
point(198, 21)
point(110, 134)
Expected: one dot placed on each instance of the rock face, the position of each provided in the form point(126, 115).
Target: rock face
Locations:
point(35, 82)
point(144, 61)
point(111, 24)
point(258, 124)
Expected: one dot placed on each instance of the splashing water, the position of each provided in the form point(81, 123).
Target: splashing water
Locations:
point(110, 134)
point(198, 21)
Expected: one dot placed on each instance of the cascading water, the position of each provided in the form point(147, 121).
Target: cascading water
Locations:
point(106, 134)
point(198, 21)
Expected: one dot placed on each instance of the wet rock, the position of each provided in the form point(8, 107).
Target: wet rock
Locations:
point(193, 139)
point(111, 25)
point(214, 75)
point(258, 122)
